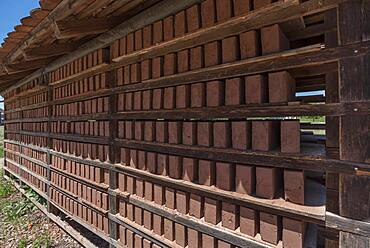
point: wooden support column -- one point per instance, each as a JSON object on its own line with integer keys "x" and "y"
{"x": 113, "y": 156}
{"x": 354, "y": 196}
{"x": 50, "y": 98}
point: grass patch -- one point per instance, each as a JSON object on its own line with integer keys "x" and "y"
{"x": 6, "y": 188}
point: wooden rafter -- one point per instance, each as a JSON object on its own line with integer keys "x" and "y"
{"x": 50, "y": 50}
{"x": 75, "y": 28}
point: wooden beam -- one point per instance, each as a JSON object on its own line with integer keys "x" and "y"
{"x": 50, "y": 50}
{"x": 65, "y": 29}
{"x": 28, "y": 65}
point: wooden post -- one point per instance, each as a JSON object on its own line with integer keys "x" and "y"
{"x": 354, "y": 197}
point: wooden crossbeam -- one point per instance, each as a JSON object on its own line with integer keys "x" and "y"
{"x": 50, "y": 50}
{"x": 75, "y": 28}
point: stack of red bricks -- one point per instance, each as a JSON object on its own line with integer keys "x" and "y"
{"x": 82, "y": 64}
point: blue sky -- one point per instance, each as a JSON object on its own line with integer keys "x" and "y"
{"x": 11, "y": 11}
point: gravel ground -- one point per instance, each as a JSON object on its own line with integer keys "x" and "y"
{"x": 30, "y": 227}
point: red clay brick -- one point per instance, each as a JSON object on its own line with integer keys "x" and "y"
{"x": 293, "y": 233}
{"x": 159, "y": 194}
{"x": 273, "y": 40}
{"x": 221, "y": 134}
{"x": 206, "y": 172}
{"x": 182, "y": 202}
{"x": 230, "y": 49}
{"x": 157, "y": 99}
{"x": 146, "y": 70}
{"x": 138, "y": 130}
{"x": 256, "y": 89}
{"x": 158, "y": 224}
{"x": 180, "y": 235}
{"x": 147, "y": 99}
{"x": 157, "y": 67}
{"x": 225, "y": 176}
{"x": 198, "y": 98}
{"x": 174, "y": 167}
{"x": 183, "y": 61}
{"x": 294, "y": 186}
{"x": 162, "y": 164}
{"x": 195, "y": 206}
{"x": 158, "y": 32}
{"x": 193, "y": 18}
{"x": 196, "y": 58}
{"x": 161, "y": 131}
{"x": 208, "y": 13}
{"x": 169, "y": 98}
{"x": 148, "y": 191}
{"x": 281, "y": 87}
{"x": 211, "y": 211}
{"x": 204, "y": 130}
{"x": 270, "y": 228}
{"x": 241, "y": 135}
{"x": 249, "y": 221}
{"x": 170, "y": 198}
{"x": 245, "y": 177}
{"x": 138, "y": 100}
{"x": 182, "y": 96}
{"x": 174, "y": 132}
{"x": 139, "y": 187}
{"x": 268, "y": 182}
{"x": 169, "y": 229}
{"x": 129, "y": 101}
{"x": 190, "y": 169}
{"x": 151, "y": 162}
{"x": 242, "y": 7}
{"x": 249, "y": 44}
{"x": 215, "y": 93}
{"x": 194, "y": 238}
{"x": 209, "y": 241}
{"x": 148, "y": 220}
{"x": 234, "y": 91}
{"x": 229, "y": 216}
{"x": 138, "y": 39}
{"x": 138, "y": 215}
{"x": 129, "y": 130}
{"x": 130, "y": 43}
{"x": 180, "y": 24}
{"x": 127, "y": 74}
{"x": 224, "y": 9}
{"x": 149, "y": 129}
{"x": 168, "y": 28}
{"x": 290, "y": 136}
{"x": 212, "y": 53}
{"x": 265, "y": 135}
{"x": 189, "y": 130}
{"x": 147, "y": 36}
{"x": 169, "y": 64}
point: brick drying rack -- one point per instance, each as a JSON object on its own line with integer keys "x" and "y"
{"x": 179, "y": 126}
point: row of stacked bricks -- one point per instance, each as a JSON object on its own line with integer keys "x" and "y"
{"x": 38, "y": 155}
{"x": 83, "y": 86}
{"x": 240, "y": 219}
{"x": 13, "y": 126}
{"x": 92, "y": 128}
{"x": 29, "y": 139}
{"x": 86, "y": 183}
{"x": 276, "y": 87}
{"x": 204, "y": 15}
{"x": 84, "y": 63}
{"x": 34, "y": 113}
{"x": 36, "y": 182}
{"x": 128, "y": 238}
{"x": 13, "y": 115}
{"x": 92, "y": 106}
{"x": 35, "y": 127}
{"x": 257, "y": 135}
{"x": 79, "y": 210}
{"x": 84, "y": 150}
{"x": 34, "y": 99}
